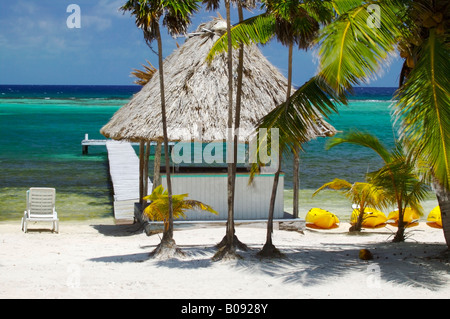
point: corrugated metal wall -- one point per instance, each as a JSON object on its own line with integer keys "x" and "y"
{"x": 251, "y": 202}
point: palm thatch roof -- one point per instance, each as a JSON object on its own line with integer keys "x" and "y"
{"x": 197, "y": 95}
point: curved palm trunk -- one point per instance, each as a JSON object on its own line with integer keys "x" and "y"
{"x": 269, "y": 250}
{"x": 443, "y": 197}
{"x": 167, "y": 247}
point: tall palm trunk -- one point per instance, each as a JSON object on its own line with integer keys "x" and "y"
{"x": 443, "y": 197}
{"x": 167, "y": 245}
{"x": 227, "y": 247}
{"x": 269, "y": 250}
{"x": 237, "y": 123}
{"x": 230, "y": 222}
{"x": 296, "y": 182}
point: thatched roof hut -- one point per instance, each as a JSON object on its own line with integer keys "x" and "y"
{"x": 197, "y": 95}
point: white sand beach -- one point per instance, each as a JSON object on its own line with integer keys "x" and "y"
{"x": 97, "y": 259}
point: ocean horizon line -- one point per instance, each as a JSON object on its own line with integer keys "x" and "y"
{"x": 69, "y": 85}
{"x": 113, "y": 91}
{"x": 136, "y": 85}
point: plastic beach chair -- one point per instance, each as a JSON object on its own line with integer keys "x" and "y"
{"x": 40, "y": 208}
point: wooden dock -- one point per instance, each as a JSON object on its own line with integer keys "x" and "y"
{"x": 87, "y": 142}
{"x": 124, "y": 171}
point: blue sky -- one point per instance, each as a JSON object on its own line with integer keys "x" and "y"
{"x": 37, "y": 47}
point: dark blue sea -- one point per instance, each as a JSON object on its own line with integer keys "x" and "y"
{"x": 42, "y": 127}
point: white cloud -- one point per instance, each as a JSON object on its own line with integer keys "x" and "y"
{"x": 97, "y": 22}
{"x": 110, "y": 8}
{"x": 24, "y": 7}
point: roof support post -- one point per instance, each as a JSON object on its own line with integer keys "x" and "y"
{"x": 145, "y": 175}
{"x": 141, "y": 172}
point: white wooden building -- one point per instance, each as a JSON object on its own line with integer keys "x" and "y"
{"x": 251, "y": 201}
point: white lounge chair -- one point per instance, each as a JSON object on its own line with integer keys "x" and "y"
{"x": 40, "y": 208}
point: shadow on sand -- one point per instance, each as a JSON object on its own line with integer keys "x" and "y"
{"x": 122, "y": 230}
{"x": 409, "y": 263}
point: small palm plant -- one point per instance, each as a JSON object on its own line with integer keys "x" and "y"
{"x": 362, "y": 194}
{"x": 403, "y": 187}
{"x": 159, "y": 208}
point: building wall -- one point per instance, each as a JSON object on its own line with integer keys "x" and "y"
{"x": 251, "y": 201}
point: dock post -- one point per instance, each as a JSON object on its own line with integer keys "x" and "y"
{"x": 85, "y": 148}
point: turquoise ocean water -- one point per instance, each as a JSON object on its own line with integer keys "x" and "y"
{"x": 42, "y": 127}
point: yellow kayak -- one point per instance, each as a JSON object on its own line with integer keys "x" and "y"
{"x": 321, "y": 219}
{"x": 372, "y": 218}
{"x": 410, "y": 217}
{"x": 435, "y": 218}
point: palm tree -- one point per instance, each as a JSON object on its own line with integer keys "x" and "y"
{"x": 227, "y": 247}
{"x": 351, "y": 52}
{"x": 175, "y": 16}
{"x": 291, "y": 22}
{"x": 351, "y": 49}
{"x": 363, "y": 195}
{"x": 294, "y": 120}
{"x": 159, "y": 207}
{"x": 295, "y": 23}
{"x": 397, "y": 178}
{"x": 403, "y": 186}
{"x": 424, "y": 97}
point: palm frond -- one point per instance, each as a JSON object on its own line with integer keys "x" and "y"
{"x": 399, "y": 180}
{"x": 159, "y": 206}
{"x": 364, "y": 194}
{"x": 143, "y": 76}
{"x": 287, "y": 21}
{"x": 320, "y": 10}
{"x": 362, "y": 139}
{"x": 351, "y": 49}
{"x": 213, "y": 5}
{"x": 298, "y": 121}
{"x": 297, "y": 118}
{"x": 257, "y": 29}
{"x": 147, "y": 13}
{"x": 368, "y": 194}
{"x": 197, "y": 205}
{"x": 157, "y": 193}
{"x": 423, "y": 108}
{"x": 336, "y": 184}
